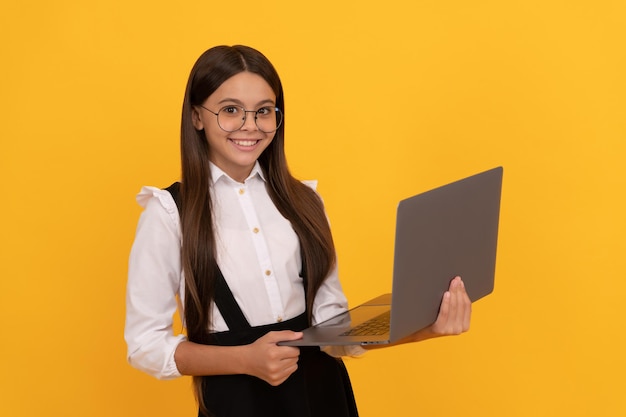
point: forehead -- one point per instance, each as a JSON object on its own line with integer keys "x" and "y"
{"x": 244, "y": 87}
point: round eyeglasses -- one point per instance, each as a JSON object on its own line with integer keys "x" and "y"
{"x": 232, "y": 118}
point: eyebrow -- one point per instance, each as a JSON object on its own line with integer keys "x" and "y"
{"x": 234, "y": 100}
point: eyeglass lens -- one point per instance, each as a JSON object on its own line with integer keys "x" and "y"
{"x": 232, "y": 118}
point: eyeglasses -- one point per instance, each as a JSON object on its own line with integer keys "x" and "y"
{"x": 232, "y": 118}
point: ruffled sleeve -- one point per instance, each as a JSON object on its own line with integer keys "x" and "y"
{"x": 154, "y": 283}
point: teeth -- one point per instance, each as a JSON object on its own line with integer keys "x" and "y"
{"x": 244, "y": 142}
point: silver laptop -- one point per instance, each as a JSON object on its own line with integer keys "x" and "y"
{"x": 449, "y": 231}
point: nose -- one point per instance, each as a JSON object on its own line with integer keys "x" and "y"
{"x": 249, "y": 122}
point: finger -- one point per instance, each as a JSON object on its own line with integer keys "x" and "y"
{"x": 456, "y": 313}
{"x": 278, "y": 377}
{"x": 269, "y": 341}
{"x": 277, "y": 369}
{"x": 287, "y": 366}
{"x": 273, "y": 338}
{"x": 467, "y": 312}
{"x": 290, "y": 352}
{"x": 283, "y": 335}
{"x": 444, "y": 313}
{"x": 281, "y": 377}
{"x": 464, "y": 307}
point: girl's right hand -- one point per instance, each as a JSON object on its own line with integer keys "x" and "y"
{"x": 273, "y": 364}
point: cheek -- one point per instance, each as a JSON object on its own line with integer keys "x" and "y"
{"x": 214, "y": 135}
{"x": 267, "y": 143}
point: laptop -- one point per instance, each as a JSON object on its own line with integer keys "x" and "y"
{"x": 448, "y": 231}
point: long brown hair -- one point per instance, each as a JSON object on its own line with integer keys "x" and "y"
{"x": 296, "y": 202}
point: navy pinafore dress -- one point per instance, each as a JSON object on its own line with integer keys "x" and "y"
{"x": 320, "y": 387}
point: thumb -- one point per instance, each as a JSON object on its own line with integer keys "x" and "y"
{"x": 285, "y": 335}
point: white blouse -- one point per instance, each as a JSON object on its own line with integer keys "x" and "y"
{"x": 258, "y": 253}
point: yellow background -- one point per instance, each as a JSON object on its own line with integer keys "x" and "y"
{"x": 384, "y": 99}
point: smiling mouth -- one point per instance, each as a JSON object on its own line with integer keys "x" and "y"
{"x": 245, "y": 143}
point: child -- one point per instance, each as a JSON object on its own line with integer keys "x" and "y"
{"x": 247, "y": 251}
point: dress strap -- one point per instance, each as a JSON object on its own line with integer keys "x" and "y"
{"x": 174, "y": 190}
{"x": 226, "y": 303}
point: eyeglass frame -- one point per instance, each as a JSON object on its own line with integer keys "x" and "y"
{"x": 245, "y": 117}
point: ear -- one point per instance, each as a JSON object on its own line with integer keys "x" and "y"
{"x": 196, "y": 120}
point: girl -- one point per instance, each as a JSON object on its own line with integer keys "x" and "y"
{"x": 245, "y": 251}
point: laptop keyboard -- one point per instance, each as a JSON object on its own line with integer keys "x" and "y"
{"x": 373, "y": 327}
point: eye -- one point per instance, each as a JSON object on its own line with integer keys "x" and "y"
{"x": 230, "y": 110}
{"x": 265, "y": 111}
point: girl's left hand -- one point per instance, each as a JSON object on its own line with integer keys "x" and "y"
{"x": 455, "y": 311}
{"x": 454, "y": 316}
